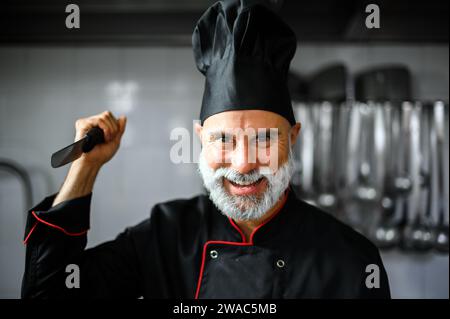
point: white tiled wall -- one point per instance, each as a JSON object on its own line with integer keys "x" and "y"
{"x": 43, "y": 90}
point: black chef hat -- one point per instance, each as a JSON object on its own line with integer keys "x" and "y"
{"x": 244, "y": 50}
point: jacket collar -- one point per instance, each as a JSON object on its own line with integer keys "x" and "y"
{"x": 273, "y": 229}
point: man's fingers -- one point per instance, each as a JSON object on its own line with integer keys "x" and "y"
{"x": 110, "y": 126}
{"x": 114, "y": 125}
{"x": 112, "y": 120}
{"x": 104, "y": 124}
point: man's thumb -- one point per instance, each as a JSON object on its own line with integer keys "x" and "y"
{"x": 122, "y": 124}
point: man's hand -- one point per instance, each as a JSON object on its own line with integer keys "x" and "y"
{"x": 82, "y": 173}
{"x": 112, "y": 129}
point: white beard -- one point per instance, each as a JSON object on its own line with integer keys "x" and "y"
{"x": 245, "y": 207}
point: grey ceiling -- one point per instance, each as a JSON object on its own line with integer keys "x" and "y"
{"x": 170, "y": 22}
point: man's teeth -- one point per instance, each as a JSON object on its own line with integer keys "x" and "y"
{"x": 241, "y": 183}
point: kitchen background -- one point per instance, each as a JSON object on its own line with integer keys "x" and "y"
{"x": 134, "y": 58}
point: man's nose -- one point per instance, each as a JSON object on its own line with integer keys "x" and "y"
{"x": 243, "y": 160}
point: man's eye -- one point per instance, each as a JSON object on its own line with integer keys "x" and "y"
{"x": 263, "y": 137}
{"x": 224, "y": 138}
{"x": 264, "y": 140}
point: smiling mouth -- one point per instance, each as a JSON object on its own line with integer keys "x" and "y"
{"x": 240, "y": 188}
{"x": 246, "y": 184}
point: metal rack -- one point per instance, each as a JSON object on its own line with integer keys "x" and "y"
{"x": 379, "y": 167}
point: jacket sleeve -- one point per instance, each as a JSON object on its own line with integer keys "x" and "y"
{"x": 57, "y": 264}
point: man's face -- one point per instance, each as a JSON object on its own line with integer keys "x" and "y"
{"x": 245, "y": 160}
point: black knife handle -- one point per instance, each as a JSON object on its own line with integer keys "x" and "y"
{"x": 93, "y": 137}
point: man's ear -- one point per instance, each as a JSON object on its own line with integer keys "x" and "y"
{"x": 198, "y": 130}
{"x": 295, "y": 130}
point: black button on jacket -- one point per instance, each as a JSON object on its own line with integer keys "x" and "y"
{"x": 188, "y": 249}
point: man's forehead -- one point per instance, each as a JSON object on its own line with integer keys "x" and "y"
{"x": 243, "y": 119}
{"x": 273, "y": 131}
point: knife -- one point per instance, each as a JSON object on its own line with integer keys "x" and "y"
{"x": 70, "y": 153}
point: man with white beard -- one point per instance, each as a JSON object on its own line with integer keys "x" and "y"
{"x": 250, "y": 236}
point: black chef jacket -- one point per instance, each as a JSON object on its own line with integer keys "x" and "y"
{"x": 188, "y": 249}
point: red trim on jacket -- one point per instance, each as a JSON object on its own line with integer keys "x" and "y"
{"x": 237, "y": 228}
{"x": 199, "y": 282}
{"x": 29, "y": 234}
{"x": 53, "y": 226}
{"x": 243, "y": 243}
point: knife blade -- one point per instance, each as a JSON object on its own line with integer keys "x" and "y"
{"x": 72, "y": 152}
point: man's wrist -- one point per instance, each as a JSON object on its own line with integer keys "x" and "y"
{"x": 79, "y": 181}
{"x": 85, "y": 169}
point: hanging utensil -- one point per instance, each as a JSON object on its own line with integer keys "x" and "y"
{"x": 328, "y": 91}
{"x": 442, "y": 230}
{"x": 418, "y": 233}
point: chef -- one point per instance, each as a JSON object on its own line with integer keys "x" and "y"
{"x": 249, "y": 236}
